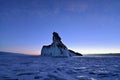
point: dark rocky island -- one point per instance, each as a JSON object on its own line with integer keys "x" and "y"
{"x": 57, "y": 48}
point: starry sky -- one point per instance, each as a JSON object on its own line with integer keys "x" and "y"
{"x": 86, "y": 26}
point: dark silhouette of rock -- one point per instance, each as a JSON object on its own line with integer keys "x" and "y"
{"x": 57, "y": 48}
{"x": 56, "y": 37}
{"x": 74, "y": 53}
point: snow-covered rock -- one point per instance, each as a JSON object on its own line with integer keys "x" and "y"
{"x": 57, "y": 48}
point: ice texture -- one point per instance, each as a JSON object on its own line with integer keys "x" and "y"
{"x": 49, "y": 68}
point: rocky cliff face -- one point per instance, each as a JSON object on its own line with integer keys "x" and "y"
{"x": 57, "y": 48}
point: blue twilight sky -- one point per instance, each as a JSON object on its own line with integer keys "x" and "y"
{"x": 86, "y": 26}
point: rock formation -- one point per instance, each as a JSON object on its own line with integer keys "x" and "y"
{"x": 57, "y": 48}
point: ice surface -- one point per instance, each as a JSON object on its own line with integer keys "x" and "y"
{"x": 48, "y": 68}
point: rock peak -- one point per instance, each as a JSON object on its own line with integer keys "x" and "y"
{"x": 57, "y": 41}
{"x": 57, "y": 48}
{"x": 56, "y": 37}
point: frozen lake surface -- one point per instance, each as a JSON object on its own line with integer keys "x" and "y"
{"x": 47, "y": 68}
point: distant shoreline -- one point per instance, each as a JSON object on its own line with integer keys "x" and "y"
{"x": 3, "y": 53}
{"x": 93, "y": 54}
{"x": 105, "y": 54}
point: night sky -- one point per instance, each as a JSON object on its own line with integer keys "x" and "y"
{"x": 86, "y": 26}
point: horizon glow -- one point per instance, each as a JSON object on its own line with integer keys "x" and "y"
{"x": 85, "y": 26}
